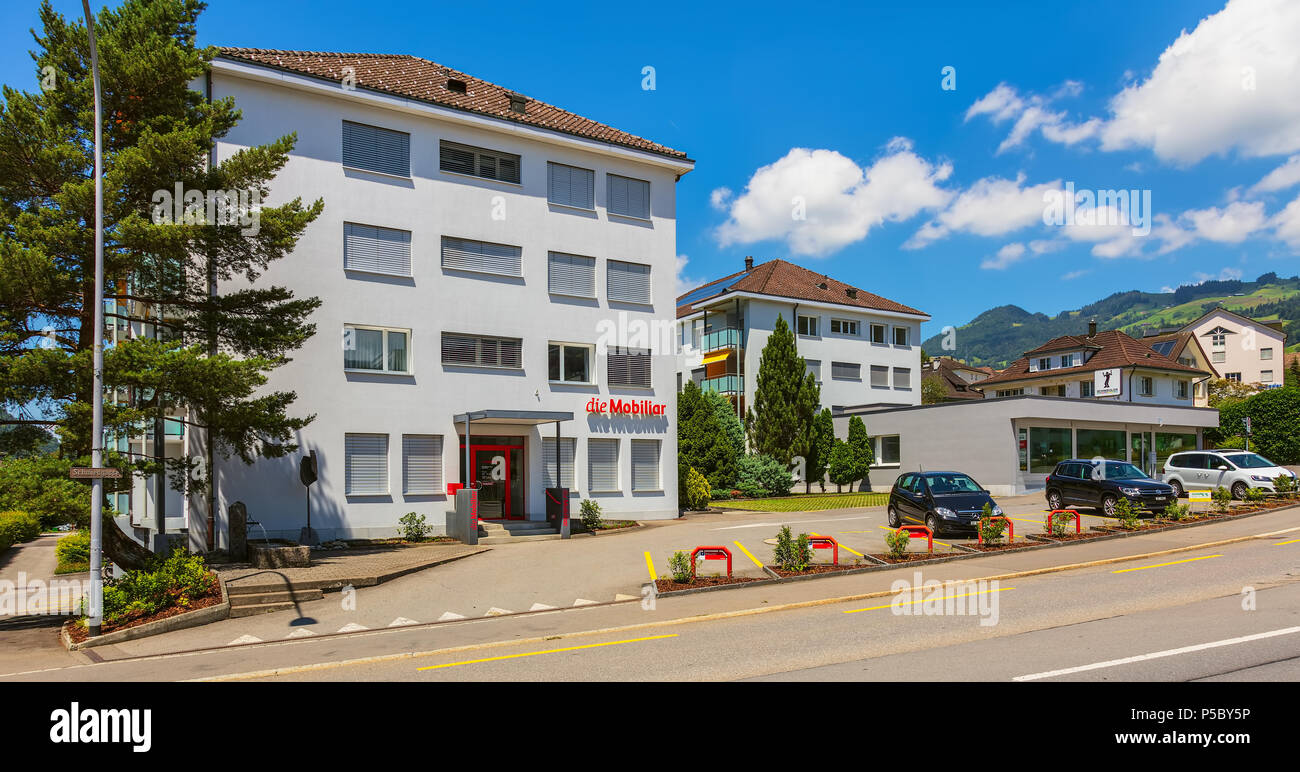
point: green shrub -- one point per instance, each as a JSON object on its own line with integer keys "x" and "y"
{"x": 897, "y": 543}
{"x": 1178, "y": 511}
{"x": 765, "y": 472}
{"x": 1057, "y": 523}
{"x": 697, "y": 490}
{"x": 40, "y": 485}
{"x": 991, "y": 531}
{"x": 1221, "y": 497}
{"x": 719, "y": 494}
{"x": 1126, "y": 513}
{"x": 1284, "y": 484}
{"x": 749, "y": 491}
{"x": 679, "y": 565}
{"x": 589, "y": 511}
{"x": 17, "y": 526}
{"x": 1255, "y": 494}
{"x": 73, "y": 552}
{"x": 176, "y": 580}
{"x": 792, "y": 554}
{"x": 413, "y": 527}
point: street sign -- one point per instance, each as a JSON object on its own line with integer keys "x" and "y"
{"x": 1199, "y": 495}
{"x": 90, "y": 473}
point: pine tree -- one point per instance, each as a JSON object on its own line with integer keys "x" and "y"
{"x": 786, "y": 396}
{"x": 860, "y": 444}
{"x": 210, "y": 332}
{"x": 823, "y": 443}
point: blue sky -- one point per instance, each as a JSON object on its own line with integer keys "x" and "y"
{"x": 892, "y": 163}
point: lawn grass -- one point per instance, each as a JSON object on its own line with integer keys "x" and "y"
{"x": 807, "y": 503}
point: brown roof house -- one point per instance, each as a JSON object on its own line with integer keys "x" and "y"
{"x": 957, "y": 377}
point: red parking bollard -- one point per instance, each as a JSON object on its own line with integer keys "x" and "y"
{"x": 1011, "y": 529}
{"x": 711, "y": 553}
{"x": 920, "y": 532}
{"x": 824, "y": 542}
{"x": 1078, "y": 522}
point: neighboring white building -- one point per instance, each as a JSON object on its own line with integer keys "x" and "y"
{"x": 475, "y": 248}
{"x": 862, "y": 348}
{"x": 1240, "y": 348}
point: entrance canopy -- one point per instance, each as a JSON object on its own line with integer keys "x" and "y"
{"x": 532, "y": 417}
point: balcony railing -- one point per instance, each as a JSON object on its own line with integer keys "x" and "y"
{"x": 726, "y": 384}
{"x": 724, "y": 338}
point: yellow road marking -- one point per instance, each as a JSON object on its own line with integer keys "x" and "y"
{"x": 650, "y": 564}
{"x": 548, "y": 651}
{"x": 936, "y": 541}
{"x": 1160, "y": 565}
{"x": 845, "y": 547}
{"x": 1293, "y": 541}
{"x": 748, "y": 554}
{"x": 913, "y": 602}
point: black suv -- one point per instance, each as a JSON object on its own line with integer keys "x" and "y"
{"x": 944, "y": 501}
{"x": 1101, "y": 484}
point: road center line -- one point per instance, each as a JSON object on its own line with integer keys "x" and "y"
{"x": 1161, "y": 565}
{"x": 548, "y": 651}
{"x": 1159, "y": 654}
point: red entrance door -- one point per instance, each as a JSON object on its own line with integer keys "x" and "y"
{"x": 490, "y": 470}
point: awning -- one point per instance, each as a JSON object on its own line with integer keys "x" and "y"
{"x": 515, "y": 416}
{"x": 711, "y": 358}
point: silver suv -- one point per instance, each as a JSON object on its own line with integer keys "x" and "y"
{"x": 1236, "y": 470}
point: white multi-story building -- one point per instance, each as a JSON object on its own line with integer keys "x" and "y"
{"x": 1242, "y": 349}
{"x": 476, "y": 251}
{"x": 863, "y": 349}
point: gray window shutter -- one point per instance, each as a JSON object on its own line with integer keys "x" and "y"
{"x": 365, "y": 464}
{"x": 571, "y": 186}
{"x": 628, "y": 367}
{"x": 645, "y": 465}
{"x": 479, "y": 351}
{"x": 376, "y": 149}
{"x": 422, "y": 463}
{"x": 482, "y": 257}
{"x": 627, "y": 196}
{"x": 846, "y": 371}
{"x": 627, "y": 282}
{"x": 602, "y": 465}
{"x": 566, "y": 462}
{"x": 476, "y": 161}
{"x": 377, "y": 250}
{"x": 455, "y": 158}
{"x": 572, "y": 275}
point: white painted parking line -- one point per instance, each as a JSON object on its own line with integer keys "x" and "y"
{"x": 1159, "y": 654}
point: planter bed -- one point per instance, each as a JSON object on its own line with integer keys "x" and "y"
{"x": 1002, "y": 547}
{"x": 663, "y": 586}
{"x": 913, "y": 557}
{"x": 816, "y": 568}
{"x": 209, "y": 608}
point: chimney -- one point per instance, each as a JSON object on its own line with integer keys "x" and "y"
{"x": 1092, "y": 328}
{"x": 749, "y": 263}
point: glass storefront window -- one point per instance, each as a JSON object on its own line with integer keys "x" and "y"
{"x": 1047, "y": 448}
{"x": 1105, "y": 443}
{"x": 1168, "y": 444}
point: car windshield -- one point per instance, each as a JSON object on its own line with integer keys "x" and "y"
{"x": 953, "y": 483}
{"x": 1249, "y": 460}
{"x": 1119, "y": 470}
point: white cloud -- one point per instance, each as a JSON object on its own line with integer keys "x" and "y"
{"x": 1072, "y": 275}
{"x": 993, "y": 206}
{"x": 1199, "y": 100}
{"x": 1033, "y": 113}
{"x": 818, "y": 201}
{"x": 1286, "y": 224}
{"x": 1224, "y": 275}
{"x": 1107, "y": 228}
{"x": 1011, "y": 253}
{"x": 1002, "y": 103}
{"x": 1229, "y": 225}
{"x": 684, "y": 282}
{"x": 720, "y": 198}
{"x": 1281, "y": 178}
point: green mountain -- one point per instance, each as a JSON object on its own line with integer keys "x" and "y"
{"x": 1001, "y": 335}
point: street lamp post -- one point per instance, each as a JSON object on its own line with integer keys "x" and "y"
{"x": 95, "y": 611}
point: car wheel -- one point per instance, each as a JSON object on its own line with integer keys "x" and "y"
{"x": 1108, "y": 503}
{"x": 1054, "y": 500}
{"x": 894, "y": 520}
{"x": 932, "y": 522}
{"x": 1239, "y": 490}
{"x": 1178, "y": 489}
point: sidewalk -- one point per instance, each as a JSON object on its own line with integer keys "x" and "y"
{"x": 356, "y": 567}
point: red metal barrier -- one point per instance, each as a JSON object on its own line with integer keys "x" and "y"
{"x": 920, "y": 532}
{"x": 824, "y": 542}
{"x": 1011, "y": 529}
{"x": 1078, "y": 522}
{"x": 711, "y": 553}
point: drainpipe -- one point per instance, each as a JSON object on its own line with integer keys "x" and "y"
{"x": 467, "y": 480}
{"x": 740, "y": 365}
{"x": 558, "y": 482}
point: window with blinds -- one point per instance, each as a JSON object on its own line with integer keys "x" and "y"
{"x": 627, "y": 366}
{"x": 571, "y": 186}
{"x": 627, "y": 282}
{"x": 903, "y": 378}
{"x": 846, "y": 371}
{"x": 602, "y": 465}
{"x": 478, "y": 162}
{"x": 571, "y": 275}
{"x": 814, "y": 368}
{"x": 365, "y": 464}
{"x": 566, "y": 463}
{"x": 645, "y": 465}
{"x": 879, "y": 377}
{"x": 482, "y": 351}
{"x": 376, "y": 149}
{"x": 421, "y": 463}
{"x": 374, "y": 249}
{"x": 627, "y": 196}
{"x": 482, "y": 257}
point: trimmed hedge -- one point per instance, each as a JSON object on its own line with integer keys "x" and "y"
{"x": 16, "y": 526}
{"x": 73, "y": 553}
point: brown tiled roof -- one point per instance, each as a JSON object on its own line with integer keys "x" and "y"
{"x": 415, "y": 78}
{"x": 1116, "y": 349}
{"x": 787, "y": 280}
{"x": 1062, "y": 343}
{"x": 955, "y": 386}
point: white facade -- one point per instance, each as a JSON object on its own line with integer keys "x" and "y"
{"x": 420, "y": 401}
{"x": 1241, "y": 349}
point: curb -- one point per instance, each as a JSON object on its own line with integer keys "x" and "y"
{"x": 183, "y": 621}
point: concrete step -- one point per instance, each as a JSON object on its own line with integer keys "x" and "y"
{"x": 255, "y": 598}
{"x": 515, "y": 526}
{"x": 258, "y": 608}
{"x": 543, "y": 536}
